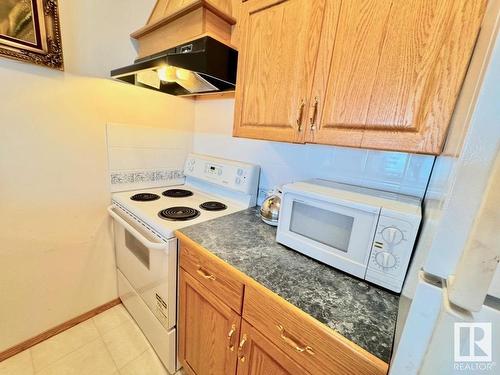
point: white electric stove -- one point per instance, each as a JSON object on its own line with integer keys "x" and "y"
{"x": 145, "y": 222}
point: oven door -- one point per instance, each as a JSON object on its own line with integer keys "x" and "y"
{"x": 148, "y": 263}
{"x": 334, "y": 232}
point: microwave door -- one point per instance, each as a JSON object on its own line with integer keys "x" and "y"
{"x": 333, "y": 233}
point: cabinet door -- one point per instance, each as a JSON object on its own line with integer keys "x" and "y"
{"x": 277, "y": 53}
{"x": 389, "y": 72}
{"x": 208, "y": 330}
{"x": 258, "y": 356}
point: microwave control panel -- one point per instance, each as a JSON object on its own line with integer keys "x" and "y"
{"x": 391, "y": 250}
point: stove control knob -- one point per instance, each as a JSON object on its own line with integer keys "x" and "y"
{"x": 386, "y": 260}
{"x": 392, "y": 235}
{"x": 239, "y": 172}
{"x": 238, "y": 181}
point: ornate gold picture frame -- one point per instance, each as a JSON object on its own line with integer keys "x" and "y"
{"x": 30, "y": 31}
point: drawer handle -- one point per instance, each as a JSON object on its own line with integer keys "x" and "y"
{"x": 230, "y": 336}
{"x": 289, "y": 341}
{"x": 205, "y": 274}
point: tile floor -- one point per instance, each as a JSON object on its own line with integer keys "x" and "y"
{"x": 110, "y": 343}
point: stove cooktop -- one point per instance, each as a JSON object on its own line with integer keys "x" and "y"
{"x": 172, "y": 208}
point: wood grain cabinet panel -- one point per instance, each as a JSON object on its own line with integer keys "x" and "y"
{"x": 258, "y": 356}
{"x": 208, "y": 330}
{"x": 386, "y": 74}
{"x": 389, "y": 72}
{"x": 277, "y": 52}
{"x": 306, "y": 341}
{"x": 174, "y": 22}
{"x": 166, "y": 8}
{"x": 214, "y": 275}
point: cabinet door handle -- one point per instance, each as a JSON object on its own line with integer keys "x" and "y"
{"x": 312, "y": 120}
{"x": 230, "y": 336}
{"x": 241, "y": 348}
{"x": 291, "y": 342}
{"x": 300, "y": 114}
{"x": 204, "y": 273}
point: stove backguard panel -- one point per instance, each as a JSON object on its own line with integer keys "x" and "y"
{"x": 142, "y": 157}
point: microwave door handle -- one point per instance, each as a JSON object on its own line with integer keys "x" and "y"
{"x": 135, "y": 232}
{"x": 470, "y": 283}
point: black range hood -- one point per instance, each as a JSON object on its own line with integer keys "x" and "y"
{"x": 201, "y": 66}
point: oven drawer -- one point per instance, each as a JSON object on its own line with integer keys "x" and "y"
{"x": 318, "y": 349}
{"x": 163, "y": 341}
{"x": 214, "y": 274}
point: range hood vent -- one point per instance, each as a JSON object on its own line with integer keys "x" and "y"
{"x": 201, "y": 66}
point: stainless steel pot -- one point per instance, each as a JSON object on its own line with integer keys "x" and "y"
{"x": 270, "y": 209}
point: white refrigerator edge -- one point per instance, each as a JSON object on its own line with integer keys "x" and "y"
{"x": 454, "y": 280}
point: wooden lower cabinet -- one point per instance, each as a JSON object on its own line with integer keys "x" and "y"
{"x": 213, "y": 276}
{"x": 208, "y": 330}
{"x": 258, "y": 356}
{"x": 214, "y": 340}
{"x": 268, "y": 336}
{"x": 303, "y": 339}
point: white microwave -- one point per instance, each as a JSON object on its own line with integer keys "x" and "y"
{"x": 365, "y": 232}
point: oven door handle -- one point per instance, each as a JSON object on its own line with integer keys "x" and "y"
{"x": 150, "y": 245}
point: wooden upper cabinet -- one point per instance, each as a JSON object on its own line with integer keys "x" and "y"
{"x": 278, "y": 47}
{"x": 386, "y": 74}
{"x": 389, "y": 72}
{"x": 258, "y": 356}
{"x": 208, "y": 330}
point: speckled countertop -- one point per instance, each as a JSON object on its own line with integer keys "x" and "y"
{"x": 361, "y": 312}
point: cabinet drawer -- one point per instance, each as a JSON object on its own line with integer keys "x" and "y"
{"x": 218, "y": 277}
{"x": 317, "y": 348}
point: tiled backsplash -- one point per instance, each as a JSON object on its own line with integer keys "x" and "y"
{"x": 142, "y": 157}
{"x": 282, "y": 162}
{"x": 145, "y": 178}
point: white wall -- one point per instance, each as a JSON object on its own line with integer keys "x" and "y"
{"x": 56, "y": 254}
{"x": 283, "y": 162}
